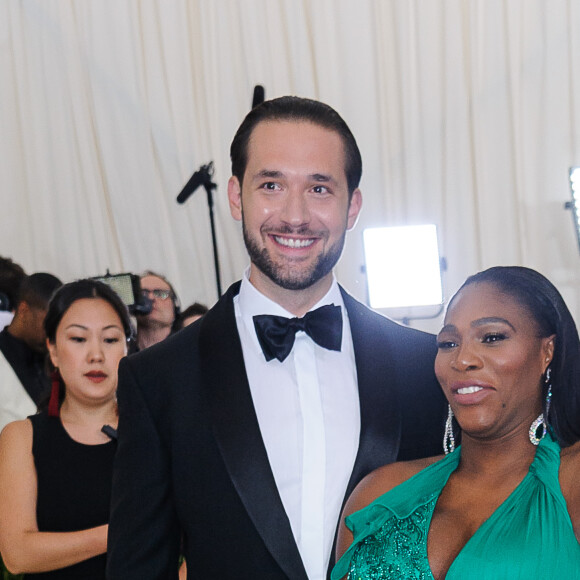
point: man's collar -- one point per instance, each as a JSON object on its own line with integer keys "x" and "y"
{"x": 251, "y": 301}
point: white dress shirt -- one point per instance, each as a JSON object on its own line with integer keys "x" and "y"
{"x": 309, "y": 417}
{"x": 15, "y": 402}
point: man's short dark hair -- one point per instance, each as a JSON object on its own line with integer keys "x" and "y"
{"x": 11, "y": 277}
{"x": 195, "y": 309}
{"x": 296, "y": 109}
{"x": 37, "y": 289}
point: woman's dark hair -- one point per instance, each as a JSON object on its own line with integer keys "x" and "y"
{"x": 297, "y": 109}
{"x": 66, "y": 295}
{"x": 540, "y": 297}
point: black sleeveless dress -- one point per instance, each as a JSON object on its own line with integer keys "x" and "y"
{"x": 74, "y": 489}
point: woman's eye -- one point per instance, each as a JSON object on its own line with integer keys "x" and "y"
{"x": 77, "y": 338}
{"x": 445, "y": 344}
{"x": 111, "y": 340}
{"x": 493, "y": 337}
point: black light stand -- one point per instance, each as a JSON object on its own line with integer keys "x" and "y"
{"x": 203, "y": 176}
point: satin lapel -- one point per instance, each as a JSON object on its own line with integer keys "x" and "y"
{"x": 238, "y": 434}
{"x": 379, "y": 405}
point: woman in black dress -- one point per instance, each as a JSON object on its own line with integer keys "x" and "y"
{"x": 56, "y": 467}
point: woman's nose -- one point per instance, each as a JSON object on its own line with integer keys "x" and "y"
{"x": 95, "y": 351}
{"x": 466, "y": 358}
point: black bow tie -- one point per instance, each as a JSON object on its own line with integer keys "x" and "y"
{"x": 276, "y": 333}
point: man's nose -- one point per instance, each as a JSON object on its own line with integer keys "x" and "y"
{"x": 295, "y": 211}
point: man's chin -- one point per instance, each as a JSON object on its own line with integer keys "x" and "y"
{"x": 289, "y": 279}
{"x": 295, "y": 283}
{"x": 152, "y": 323}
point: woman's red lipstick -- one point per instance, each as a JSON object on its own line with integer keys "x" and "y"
{"x": 96, "y": 376}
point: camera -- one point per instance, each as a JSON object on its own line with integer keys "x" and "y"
{"x": 128, "y": 287}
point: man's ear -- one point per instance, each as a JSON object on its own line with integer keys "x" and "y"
{"x": 354, "y": 208}
{"x": 235, "y": 198}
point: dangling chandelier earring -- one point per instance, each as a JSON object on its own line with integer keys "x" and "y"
{"x": 549, "y": 394}
{"x": 541, "y": 421}
{"x": 448, "y": 438}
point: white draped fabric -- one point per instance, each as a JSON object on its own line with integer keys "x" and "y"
{"x": 467, "y": 113}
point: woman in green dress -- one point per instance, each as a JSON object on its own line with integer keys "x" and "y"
{"x": 505, "y": 504}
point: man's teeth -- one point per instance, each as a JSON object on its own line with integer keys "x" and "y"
{"x": 469, "y": 390}
{"x": 292, "y": 243}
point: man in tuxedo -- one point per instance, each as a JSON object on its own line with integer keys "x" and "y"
{"x": 241, "y": 436}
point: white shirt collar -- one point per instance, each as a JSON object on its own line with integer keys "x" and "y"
{"x": 252, "y": 302}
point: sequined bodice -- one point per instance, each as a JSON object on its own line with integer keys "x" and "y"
{"x": 397, "y": 550}
{"x": 529, "y": 536}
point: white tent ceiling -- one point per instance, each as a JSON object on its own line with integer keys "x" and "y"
{"x": 467, "y": 113}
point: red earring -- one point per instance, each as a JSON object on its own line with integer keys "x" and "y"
{"x": 53, "y": 403}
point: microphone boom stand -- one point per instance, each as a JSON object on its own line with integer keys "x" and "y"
{"x": 203, "y": 177}
{"x": 209, "y": 186}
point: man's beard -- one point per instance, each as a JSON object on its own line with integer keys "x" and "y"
{"x": 294, "y": 276}
{"x": 144, "y": 321}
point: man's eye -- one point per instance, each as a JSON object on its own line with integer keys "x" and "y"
{"x": 270, "y": 186}
{"x": 320, "y": 189}
{"x": 445, "y": 344}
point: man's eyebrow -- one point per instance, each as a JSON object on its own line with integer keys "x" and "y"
{"x": 268, "y": 173}
{"x": 276, "y": 174}
{"x": 322, "y": 177}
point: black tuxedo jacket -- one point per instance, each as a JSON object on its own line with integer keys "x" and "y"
{"x": 191, "y": 471}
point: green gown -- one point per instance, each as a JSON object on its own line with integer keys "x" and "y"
{"x": 529, "y": 536}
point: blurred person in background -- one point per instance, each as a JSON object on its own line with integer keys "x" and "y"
{"x": 190, "y": 315}
{"x": 159, "y": 323}
{"x": 24, "y": 383}
{"x": 11, "y": 276}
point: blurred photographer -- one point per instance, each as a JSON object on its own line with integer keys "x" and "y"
{"x": 159, "y": 323}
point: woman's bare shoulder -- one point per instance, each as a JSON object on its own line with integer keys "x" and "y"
{"x": 570, "y": 469}
{"x": 17, "y": 429}
{"x": 383, "y": 479}
{"x": 16, "y": 446}
{"x": 569, "y": 477}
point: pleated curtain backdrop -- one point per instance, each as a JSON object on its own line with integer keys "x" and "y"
{"x": 467, "y": 113}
